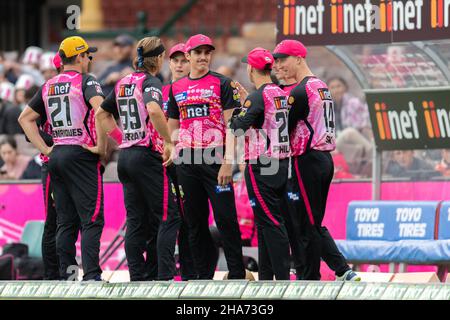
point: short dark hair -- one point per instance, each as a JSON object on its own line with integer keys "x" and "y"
{"x": 67, "y": 60}
{"x": 265, "y": 72}
{"x": 9, "y": 140}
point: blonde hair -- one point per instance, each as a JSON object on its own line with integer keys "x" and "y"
{"x": 148, "y": 44}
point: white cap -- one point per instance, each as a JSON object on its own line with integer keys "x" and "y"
{"x": 47, "y": 61}
{"x": 32, "y": 55}
{"x": 25, "y": 82}
{"x": 7, "y": 91}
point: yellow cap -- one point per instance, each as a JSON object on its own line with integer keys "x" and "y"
{"x": 72, "y": 46}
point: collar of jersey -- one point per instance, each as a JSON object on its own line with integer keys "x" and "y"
{"x": 189, "y": 76}
{"x": 71, "y": 71}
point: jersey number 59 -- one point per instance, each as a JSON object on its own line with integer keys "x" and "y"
{"x": 129, "y": 114}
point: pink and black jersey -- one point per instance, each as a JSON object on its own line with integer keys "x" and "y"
{"x": 199, "y": 105}
{"x": 165, "y": 94}
{"x": 129, "y": 103}
{"x": 288, "y": 88}
{"x": 266, "y": 111}
{"x": 64, "y": 101}
{"x": 311, "y": 117}
{"x": 45, "y": 129}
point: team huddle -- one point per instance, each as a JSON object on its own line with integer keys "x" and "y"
{"x": 178, "y": 144}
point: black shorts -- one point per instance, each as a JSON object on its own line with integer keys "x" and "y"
{"x": 77, "y": 180}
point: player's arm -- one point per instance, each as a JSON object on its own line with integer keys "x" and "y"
{"x": 27, "y": 121}
{"x": 174, "y": 116}
{"x": 105, "y": 115}
{"x": 153, "y": 100}
{"x": 159, "y": 121}
{"x": 229, "y": 96}
{"x": 93, "y": 94}
{"x": 230, "y": 141}
{"x": 249, "y": 115}
{"x": 298, "y": 106}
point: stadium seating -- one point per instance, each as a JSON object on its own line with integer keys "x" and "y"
{"x": 398, "y": 232}
{"x": 32, "y": 237}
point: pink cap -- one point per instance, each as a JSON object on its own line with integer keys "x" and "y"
{"x": 197, "y": 41}
{"x": 288, "y": 48}
{"x": 180, "y": 47}
{"x": 57, "y": 61}
{"x": 259, "y": 58}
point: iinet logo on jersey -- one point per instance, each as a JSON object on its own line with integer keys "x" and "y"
{"x": 57, "y": 89}
{"x": 403, "y": 125}
{"x": 126, "y": 90}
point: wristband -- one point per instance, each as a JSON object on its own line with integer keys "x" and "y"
{"x": 116, "y": 134}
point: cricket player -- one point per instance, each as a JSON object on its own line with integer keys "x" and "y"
{"x": 312, "y": 138}
{"x": 199, "y": 107}
{"x": 146, "y": 150}
{"x": 265, "y": 112}
{"x": 179, "y": 68}
{"x": 69, "y": 101}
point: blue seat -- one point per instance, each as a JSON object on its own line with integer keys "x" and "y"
{"x": 403, "y": 251}
{"x": 32, "y": 237}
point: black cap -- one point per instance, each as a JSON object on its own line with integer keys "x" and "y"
{"x": 279, "y": 55}
{"x": 124, "y": 40}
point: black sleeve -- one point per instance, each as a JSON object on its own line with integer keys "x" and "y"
{"x": 299, "y": 106}
{"x": 37, "y": 103}
{"x": 172, "y": 106}
{"x": 91, "y": 88}
{"x": 229, "y": 95}
{"x": 110, "y": 105}
{"x": 152, "y": 91}
{"x": 251, "y": 114}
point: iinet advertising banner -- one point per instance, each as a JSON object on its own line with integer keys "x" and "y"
{"x": 336, "y": 22}
{"x": 410, "y": 119}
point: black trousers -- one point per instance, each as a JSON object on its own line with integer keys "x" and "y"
{"x": 150, "y": 203}
{"x": 267, "y": 195}
{"x": 198, "y": 185}
{"x": 49, "y": 254}
{"x": 312, "y": 175}
{"x": 78, "y": 189}
{"x": 293, "y": 229}
{"x": 170, "y": 229}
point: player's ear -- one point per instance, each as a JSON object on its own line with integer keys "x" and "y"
{"x": 188, "y": 56}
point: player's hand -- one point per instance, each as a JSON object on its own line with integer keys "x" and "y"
{"x": 243, "y": 93}
{"x": 168, "y": 154}
{"x": 48, "y": 151}
{"x": 225, "y": 174}
{"x": 94, "y": 150}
